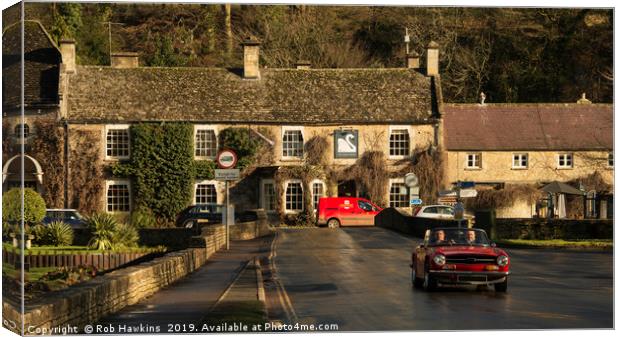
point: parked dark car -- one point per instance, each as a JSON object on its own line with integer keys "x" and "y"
{"x": 193, "y": 215}
{"x": 69, "y": 216}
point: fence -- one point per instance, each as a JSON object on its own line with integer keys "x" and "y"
{"x": 101, "y": 261}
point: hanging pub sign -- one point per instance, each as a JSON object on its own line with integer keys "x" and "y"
{"x": 346, "y": 143}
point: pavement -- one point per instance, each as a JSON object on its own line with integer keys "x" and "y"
{"x": 190, "y": 299}
{"x": 359, "y": 279}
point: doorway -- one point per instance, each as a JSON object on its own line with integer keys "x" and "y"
{"x": 347, "y": 188}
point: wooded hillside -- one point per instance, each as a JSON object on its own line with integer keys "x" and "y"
{"x": 513, "y": 55}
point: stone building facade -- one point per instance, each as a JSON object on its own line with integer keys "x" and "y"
{"x": 502, "y": 145}
{"x": 357, "y": 111}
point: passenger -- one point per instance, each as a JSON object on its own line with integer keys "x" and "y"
{"x": 471, "y": 237}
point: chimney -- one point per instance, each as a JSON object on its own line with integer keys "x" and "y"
{"x": 251, "y": 48}
{"x": 124, "y": 60}
{"x": 432, "y": 59}
{"x": 413, "y": 60}
{"x": 583, "y": 99}
{"x": 67, "y": 51}
{"x": 303, "y": 64}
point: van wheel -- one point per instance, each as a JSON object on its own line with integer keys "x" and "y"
{"x": 333, "y": 223}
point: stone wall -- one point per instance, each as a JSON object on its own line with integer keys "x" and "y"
{"x": 396, "y": 220}
{"x": 88, "y": 302}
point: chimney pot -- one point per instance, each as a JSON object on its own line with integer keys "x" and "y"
{"x": 303, "y": 64}
{"x": 251, "y": 51}
{"x": 67, "y": 51}
{"x": 432, "y": 59}
{"x": 124, "y": 60}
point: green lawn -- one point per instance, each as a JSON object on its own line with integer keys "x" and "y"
{"x": 33, "y": 275}
{"x": 600, "y": 244}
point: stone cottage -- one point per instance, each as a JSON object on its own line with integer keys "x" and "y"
{"x": 512, "y": 146}
{"x": 394, "y": 112}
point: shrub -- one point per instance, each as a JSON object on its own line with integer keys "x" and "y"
{"x": 143, "y": 218}
{"x": 34, "y": 206}
{"x": 56, "y": 234}
{"x": 125, "y": 236}
{"x": 103, "y": 226}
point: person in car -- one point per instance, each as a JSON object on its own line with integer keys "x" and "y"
{"x": 440, "y": 237}
{"x": 471, "y": 237}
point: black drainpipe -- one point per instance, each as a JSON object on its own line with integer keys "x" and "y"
{"x": 66, "y": 203}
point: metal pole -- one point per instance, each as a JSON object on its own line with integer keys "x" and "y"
{"x": 227, "y": 218}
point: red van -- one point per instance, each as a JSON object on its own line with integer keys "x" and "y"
{"x": 346, "y": 211}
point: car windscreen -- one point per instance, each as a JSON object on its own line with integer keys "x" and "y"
{"x": 458, "y": 236}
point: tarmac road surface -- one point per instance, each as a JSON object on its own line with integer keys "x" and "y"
{"x": 359, "y": 278}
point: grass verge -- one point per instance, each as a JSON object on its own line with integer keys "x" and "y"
{"x": 240, "y": 312}
{"x": 584, "y": 244}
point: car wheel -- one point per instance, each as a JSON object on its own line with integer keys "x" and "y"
{"x": 333, "y": 223}
{"x": 417, "y": 282}
{"x": 189, "y": 224}
{"x": 502, "y": 287}
{"x": 430, "y": 283}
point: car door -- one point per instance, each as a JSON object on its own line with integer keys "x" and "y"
{"x": 364, "y": 214}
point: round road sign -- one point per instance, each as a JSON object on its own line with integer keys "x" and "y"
{"x": 411, "y": 180}
{"x": 226, "y": 159}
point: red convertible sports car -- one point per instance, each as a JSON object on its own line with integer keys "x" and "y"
{"x": 459, "y": 256}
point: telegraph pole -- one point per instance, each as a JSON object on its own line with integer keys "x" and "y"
{"x": 109, "y": 23}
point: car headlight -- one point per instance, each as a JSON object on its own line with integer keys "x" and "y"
{"x": 439, "y": 260}
{"x": 502, "y": 260}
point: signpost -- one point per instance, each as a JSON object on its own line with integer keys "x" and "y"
{"x": 226, "y": 160}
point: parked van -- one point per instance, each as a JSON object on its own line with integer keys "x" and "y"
{"x": 346, "y": 211}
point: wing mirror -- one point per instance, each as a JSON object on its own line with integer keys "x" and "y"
{"x": 493, "y": 244}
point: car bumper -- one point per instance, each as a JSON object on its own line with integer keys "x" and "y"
{"x": 469, "y": 277}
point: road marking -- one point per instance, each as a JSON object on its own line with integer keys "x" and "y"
{"x": 219, "y": 299}
{"x": 283, "y": 297}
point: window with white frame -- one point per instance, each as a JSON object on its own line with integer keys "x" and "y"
{"x": 318, "y": 191}
{"x": 565, "y": 160}
{"x": 117, "y": 142}
{"x": 610, "y": 159}
{"x": 205, "y": 142}
{"x": 268, "y": 191}
{"x": 205, "y": 193}
{"x": 519, "y": 160}
{"x": 292, "y": 143}
{"x": 118, "y": 197}
{"x": 399, "y": 142}
{"x": 399, "y": 193}
{"x": 294, "y": 197}
{"x": 473, "y": 161}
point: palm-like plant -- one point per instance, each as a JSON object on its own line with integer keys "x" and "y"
{"x": 103, "y": 227}
{"x": 125, "y": 236}
{"x": 59, "y": 234}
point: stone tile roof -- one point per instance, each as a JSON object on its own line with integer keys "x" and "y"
{"x": 506, "y": 127}
{"x": 316, "y": 96}
{"x": 41, "y": 70}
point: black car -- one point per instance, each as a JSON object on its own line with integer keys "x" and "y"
{"x": 202, "y": 213}
{"x": 191, "y": 216}
{"x": 69, "y": 216}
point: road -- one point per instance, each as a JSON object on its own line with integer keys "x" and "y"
{"x": 359, "y": 278}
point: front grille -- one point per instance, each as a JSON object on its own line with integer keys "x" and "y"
{"x": 470, "y": 259}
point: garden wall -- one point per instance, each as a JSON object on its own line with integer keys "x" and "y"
{"x": 393, "y": 219}
{"x": 88, "y": 302}
{"x": 543, "y": 229}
